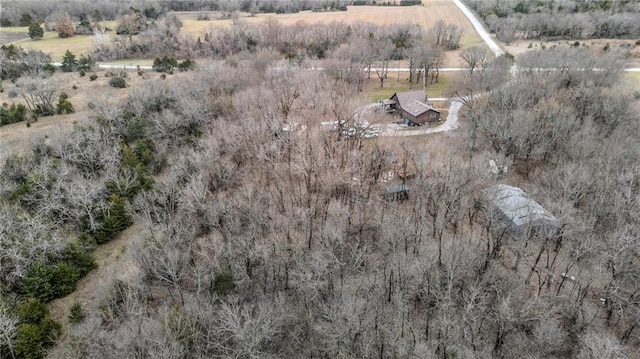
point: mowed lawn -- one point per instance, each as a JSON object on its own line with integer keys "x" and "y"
{"x": 392, "y": 85}
{"x": 54, "y": 45}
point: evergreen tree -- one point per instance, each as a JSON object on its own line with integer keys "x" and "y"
{"x": 69, "y": 62}
{"x": 85, "y": 63}
{"x": 37, "y": 282}
{"x": 114, "y": 221}
{"x": 35, "y": 31}
{"x": 76, "y": 313}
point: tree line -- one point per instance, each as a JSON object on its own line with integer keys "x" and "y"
{"x": 20, "y": 13}
{"x": 510, "y": 20}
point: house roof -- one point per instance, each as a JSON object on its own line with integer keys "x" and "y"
{"x": 405, "y": 97}
{"x": 413, "y": 102}
{"x": 416, "y": 108}
{"x": 517, "y": 206}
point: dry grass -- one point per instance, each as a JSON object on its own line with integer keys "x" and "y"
{"x": 56, "y": 46}
{"x": 425, "y": 16}
{"x": 522, "y": 46}
{"x": 114, "y": 262}
{"x": 50, "y": 42}
{"x": 632, "y": 79}
{"x": 17, "y": 138}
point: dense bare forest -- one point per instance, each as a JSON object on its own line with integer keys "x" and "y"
{"x": 264, "y": 235}
{"x": 551, "y": 19}
{"x": 21, "y": 13}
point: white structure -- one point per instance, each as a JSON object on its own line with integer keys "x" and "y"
{"x": 522, "y": 215}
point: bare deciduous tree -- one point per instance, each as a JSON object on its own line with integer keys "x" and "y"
{"x": 39, "y": 92}
{"x": 476, "y": 57}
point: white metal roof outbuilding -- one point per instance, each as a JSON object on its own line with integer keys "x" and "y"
{"x": 522, "y": 214}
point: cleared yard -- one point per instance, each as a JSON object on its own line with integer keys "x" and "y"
{"x": 391, "y": 85}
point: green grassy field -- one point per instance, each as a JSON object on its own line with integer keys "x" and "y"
{"x": 391, "y": 85}
{"x": 56, "y": 46}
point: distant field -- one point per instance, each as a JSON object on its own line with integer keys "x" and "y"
{"x": 426, "y": 16}
{"x": 523, "y": 46}
{"x": 50, "y": 43}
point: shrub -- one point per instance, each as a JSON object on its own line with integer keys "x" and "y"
{"x": 186, "y": 65}
{"x": 49, "y": 68}
{"x": 85, "y": 63}
{"x": 64, "y": 26}
{"x": 33, "y": 339}
{"x": 93, "y": 77}
{"x": 76, "y": 313}
{"x": 638, "y": 42}
{"x": 29, "y": 342}
{"x": 32, "y": 311}
{"x": 64, "y": 106}
{"x": 164, "y": 64}
{"x": 223, "y": 284}
{"x": 82, "y": 73}
{"x": 35, "y": 31}
{"x": 13, "y": 114}
{"x": 117, "y": 82}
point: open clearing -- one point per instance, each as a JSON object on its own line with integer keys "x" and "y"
{"x": 392, "y": 85}
{"x": 114, "y": 261}
{"x": 17, "y": 138}
{"x": 425, "y": 16}
{"x": 523, "y": 46}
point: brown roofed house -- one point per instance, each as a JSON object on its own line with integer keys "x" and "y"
{"x": 413, "y": 107}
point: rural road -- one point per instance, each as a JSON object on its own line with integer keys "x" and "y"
{"x": 477, "y": 25}
{"x": 114, "y": 67}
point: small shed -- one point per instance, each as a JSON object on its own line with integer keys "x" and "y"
{"x": 396, "y": 193}
{"x": 522, "y": 215}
